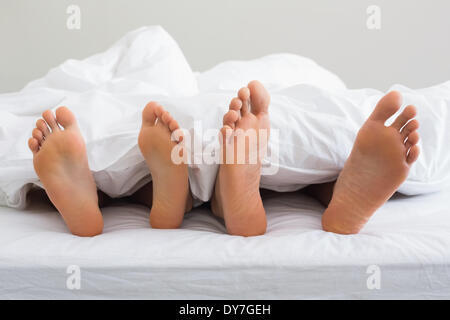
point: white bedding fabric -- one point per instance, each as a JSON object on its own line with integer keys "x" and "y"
{"x": 408, "y": 239}
{"x": 315, "y": 116}
{"x": 317, "y": 119}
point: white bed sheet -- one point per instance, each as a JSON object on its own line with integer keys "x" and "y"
{"x": 408, "y": 239}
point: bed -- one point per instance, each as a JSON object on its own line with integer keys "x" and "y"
{"x": 405, "y": 246}
{"x": 402, "y": 253}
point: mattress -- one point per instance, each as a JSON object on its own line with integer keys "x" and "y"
{"x": 405, "y": 246}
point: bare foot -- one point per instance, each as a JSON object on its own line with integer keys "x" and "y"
{"x": 60, "y": 161}
{"x": 236, "y": 195}
{"x": 171, "y": 195}
{"x": 377, "y": 166}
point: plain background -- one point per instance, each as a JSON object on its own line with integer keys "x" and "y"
{"x": 412, "y": 47}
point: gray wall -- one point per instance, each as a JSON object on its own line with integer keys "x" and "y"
{"x": 412, "y": 47}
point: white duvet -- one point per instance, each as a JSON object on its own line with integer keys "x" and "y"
{"x": 313, "y": 116}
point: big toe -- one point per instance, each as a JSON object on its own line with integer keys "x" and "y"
{"x": 151, "y": 112}
{"x": 259, "y": 96}
{"x": 387, "y": 106}
{"x": 65, "y": 117}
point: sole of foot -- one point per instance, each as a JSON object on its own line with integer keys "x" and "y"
{"x": 378, "y": 164}
{"x": 60, "y": 161}
{"x": 171, "y": 195}
{"x": 236, "y": 196}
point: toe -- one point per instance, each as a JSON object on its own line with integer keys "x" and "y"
{"x": 412, "y": 140}
{"x": 177, "y": 133}
{"x": 387, "y": 106}
{"x": 407, "y": 114}
{"x": 244, "y": 95}
{"x": 166, "y": 118}
{"x": 411, "y": 126}
{"x": 37, "y": 134}
{"x": 230, "y": 118}
{"x": 413, "y": 154}
{"x": 65, "y": 117}
{"x": 235, "y": 104}
{"x": 42, "y": 126}
{"x": 151, "y": 112}
{"x": 173, "y": 125}
{"x": 33, "y": 144}
{"x": 260, "y": 98}
{"x": 225, "y": 134}
{"x": 49, "y": 117}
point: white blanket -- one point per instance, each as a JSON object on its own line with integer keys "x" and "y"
{"x": 313, "y": 116}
